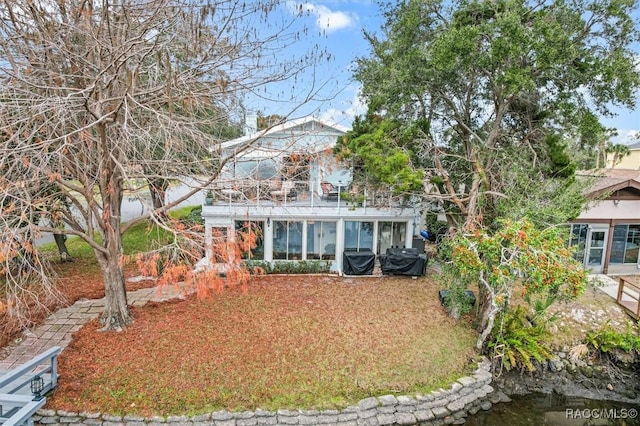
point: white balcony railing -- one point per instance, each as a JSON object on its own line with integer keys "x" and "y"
{"x": 269, "y": 192}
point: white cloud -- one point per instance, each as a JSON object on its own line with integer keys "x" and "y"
{"x": 326, "y": 19}
{"x": 626, "y": 137}
{"x": 345, "y": 115}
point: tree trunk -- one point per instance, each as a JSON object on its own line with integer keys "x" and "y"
{"x": 116, "y": 315}
{"x": 491, "y": 317}
{"x": 158, "y": 191}
{"x": 484, "y": 304}
{"x": 487, "y": 310}
{"x": 60, "y": 240}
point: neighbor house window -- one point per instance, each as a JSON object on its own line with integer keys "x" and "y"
{"x": 358, "y": 235}
{"x": 625, "y": 244}
{"x": 250, "y": 235}
{"x": 287, "y": 240}
{"x": 321, "y": 240}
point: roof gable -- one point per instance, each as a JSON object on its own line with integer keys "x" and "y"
{"x": 292, "y": 128}
{"x": 611, "y": 180}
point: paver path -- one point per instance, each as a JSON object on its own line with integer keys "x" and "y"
{"x": 59, "y": 326}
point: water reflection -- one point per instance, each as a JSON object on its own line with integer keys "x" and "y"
{"x": 554, "y": 409}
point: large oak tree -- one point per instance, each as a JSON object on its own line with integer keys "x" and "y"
{"x": 479, "y": 99}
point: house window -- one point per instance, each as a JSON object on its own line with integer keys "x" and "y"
{"x": 287, "y": 240}
{"x": 321, "y": 240}
{"x": 625, "y": 244}
{"x": 391, "y": 234}
{"x": 358, "y": 235}
{"x": 256, "y": 169}
{"x": 578, "y": 240}
{"x": 250, "y": 236}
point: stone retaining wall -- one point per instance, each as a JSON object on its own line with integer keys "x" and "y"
{"x": 589, "y": 378}
{"x": 466, "y": 396}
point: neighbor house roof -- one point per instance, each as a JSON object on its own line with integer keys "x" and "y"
{"x": 611, "y": 180}
{"x": 285, "y": 127}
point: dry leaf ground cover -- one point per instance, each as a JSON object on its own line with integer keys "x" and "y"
{"x": 289, "y": 342}
{"x": 80, "y": 279}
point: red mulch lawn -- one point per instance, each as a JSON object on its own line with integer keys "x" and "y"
{"x": 289, "y": 342}
{"x": 80, "y": 279}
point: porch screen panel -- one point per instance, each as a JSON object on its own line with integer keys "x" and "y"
{"x": 287, "y": 240}
{"x": 321, "y": 240}
{"x": 358, "y": 235}
{"x": 633, "y": 243}
{"x": 250, "y": 234}
{"x": 391, "y": 234}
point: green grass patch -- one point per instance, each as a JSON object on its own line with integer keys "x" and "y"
{"x": 139, "y": 238}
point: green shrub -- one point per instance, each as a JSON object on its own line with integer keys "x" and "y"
{"x": 433, "y": 224}
{"x": 289, "y": 266}
{"x": 301, "y": 267}
{"x": 352, "y": 200}
{"x": 457, "y": 300}
{"x": 606, "y": 339}
{"x": 253, "y": 266}
{"x": 194, "y": 216}
{"x": 519, "y": 340}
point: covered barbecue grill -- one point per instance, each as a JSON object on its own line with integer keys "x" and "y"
{"x": 403, "y": 261}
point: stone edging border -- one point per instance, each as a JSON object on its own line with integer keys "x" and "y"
{"x": 466, "y": 396}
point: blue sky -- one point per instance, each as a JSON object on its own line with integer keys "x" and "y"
{"x": 338, "y": 26}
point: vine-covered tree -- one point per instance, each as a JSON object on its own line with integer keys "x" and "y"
{"x": 491, "y": 93}
{"x": 96, "y": 95}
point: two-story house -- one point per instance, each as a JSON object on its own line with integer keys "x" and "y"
{"x": 287, "y": 187}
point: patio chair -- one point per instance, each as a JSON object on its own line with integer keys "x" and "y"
{"x": 328, "y": 191}
{"x": 287, "y": 191}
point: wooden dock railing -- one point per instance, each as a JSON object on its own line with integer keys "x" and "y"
{"x": 629, "y": 296}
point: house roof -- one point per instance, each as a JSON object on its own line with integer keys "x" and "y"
{"x": 282, "y": 128}
{"x": 634, "y": 146}
{"x": 611, "y": 180}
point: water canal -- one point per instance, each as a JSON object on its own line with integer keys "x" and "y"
{"x": 552, "y": 409}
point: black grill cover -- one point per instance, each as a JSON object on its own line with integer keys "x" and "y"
{"x": 358, "y": 262}
{"x": 406, "y": 261}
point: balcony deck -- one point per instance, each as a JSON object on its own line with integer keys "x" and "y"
{"x": 301, "y": 196}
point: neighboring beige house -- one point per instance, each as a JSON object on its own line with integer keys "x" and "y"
{"x": 608, "y": 232}
{"x": 629, "y": 162}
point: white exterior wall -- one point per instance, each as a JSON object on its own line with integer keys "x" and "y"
{"x": 612, "y": 209}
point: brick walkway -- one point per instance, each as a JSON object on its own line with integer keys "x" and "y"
{"x": 59, "y": 326}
